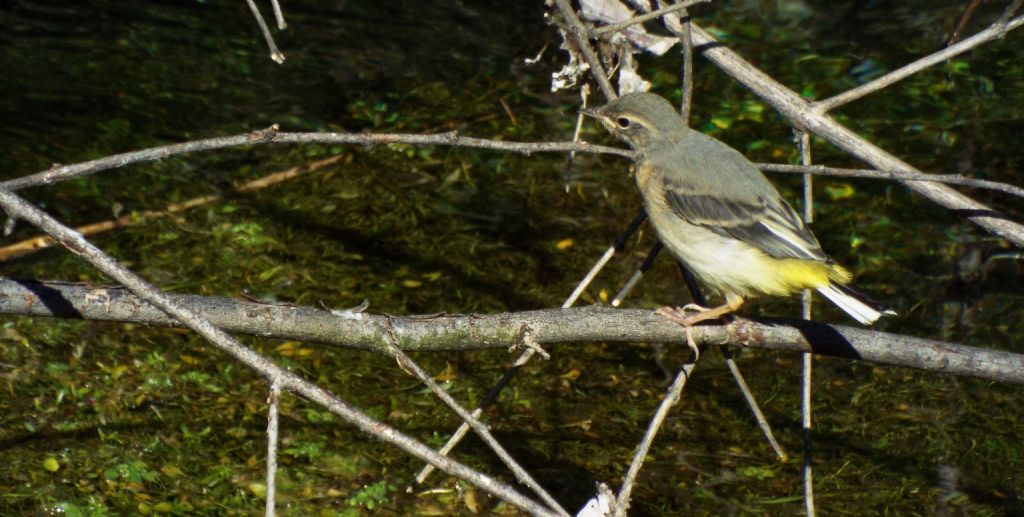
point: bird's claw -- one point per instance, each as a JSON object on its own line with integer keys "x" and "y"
{"x": 678, "y": 315}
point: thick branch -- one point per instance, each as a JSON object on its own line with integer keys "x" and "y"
{"x": 467, "y": 332}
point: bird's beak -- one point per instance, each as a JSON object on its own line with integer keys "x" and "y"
{"x": 593, "y": 112}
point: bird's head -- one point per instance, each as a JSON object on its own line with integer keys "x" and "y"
{"x": 640, "y": 119}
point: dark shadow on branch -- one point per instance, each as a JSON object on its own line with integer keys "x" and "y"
{"x": 51, "y": 298}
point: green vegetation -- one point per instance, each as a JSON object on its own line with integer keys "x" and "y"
{"x": 112, "y": 419}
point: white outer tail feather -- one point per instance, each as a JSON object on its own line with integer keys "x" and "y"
{"x": 859, "y": 310}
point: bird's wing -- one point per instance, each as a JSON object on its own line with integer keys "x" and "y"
{"x": 770, "y": 225}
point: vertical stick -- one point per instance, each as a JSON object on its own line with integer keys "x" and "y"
{"x": 804, "y": 142}
{"x": 274, "y": 403}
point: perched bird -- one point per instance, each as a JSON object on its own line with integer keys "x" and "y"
{"x": 718, "y": 214}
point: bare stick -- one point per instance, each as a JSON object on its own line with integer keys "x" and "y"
{"x": 961, "y": 24}
{"x": 274, "y": 403}
{"x": 636, "y": 20}
{"x": 1011, "y": 10}
{"x": 584, "y": 93}
{"x": 686, "y": 105}
{"x": 949, "y": 179}
{"x": 762, "y": 422}
{"x": 631, "y": 283}
{"x": 484, "y": 403}
{"x": 272, "y": 136}
{"x": 803, "y": 139}
{"x": 994, "y": 31}
{"x": 671, "y": 398}
{"x": 579, "y": 34}
{"x": 278, "y": 15}
{"x": 275, "y": 54}
{"x": 15, "y": 206}
{"x": 410, "y": 367}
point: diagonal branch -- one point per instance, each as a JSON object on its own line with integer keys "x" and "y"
{"x": 805, "y": 116}
{"x": 16, "y": 207}
{"x": 995, "y": 31}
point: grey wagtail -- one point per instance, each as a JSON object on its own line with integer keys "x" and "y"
{"x": 718, "y": 214}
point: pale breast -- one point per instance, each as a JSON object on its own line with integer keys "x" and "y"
{"x": 722, "y": 263}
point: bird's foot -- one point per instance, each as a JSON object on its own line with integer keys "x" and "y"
{"x": 678, "y": 315}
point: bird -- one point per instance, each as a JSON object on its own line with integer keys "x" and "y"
{"x": 718, "y": 214}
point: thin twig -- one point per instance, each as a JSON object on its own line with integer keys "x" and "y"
{"x": 584, "y": 93}
{"x": 271, "y": 136}
{"x": 409, "y": 366}
{"x": 961, "y": 23}
{"x": 671, "y": 398}
{"x": 275, "y": 54}
{"x": 803, "y": 139}
{"x": 17, "y": 207}
{"x": 278, "y": 15}
{"x": 762, "y": 422}
{"x": 636, "y": 20}
{"x": 631, "y": 283}
{"x": 949, "y": 179}
{"x": 65, "y": 172}
{"x": 993, "y": 32}
{"x": 686, "y": 104}
{"x": 273, "y": 413}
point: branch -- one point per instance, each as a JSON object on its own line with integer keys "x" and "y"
{"x": 467, "y": 332}
{"x": 805, "y": 116}
{"x": 275, "y": 54}
{"x": 995, "y": 31}
{"x": 615, "y": 27}
{"x": 950, "y": 179}
{"x": 271, "y": 136}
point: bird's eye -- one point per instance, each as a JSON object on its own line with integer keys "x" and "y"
{"x": 623, "y": 122}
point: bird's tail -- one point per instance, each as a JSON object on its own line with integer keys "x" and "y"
{"x": 855, "y": 303}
